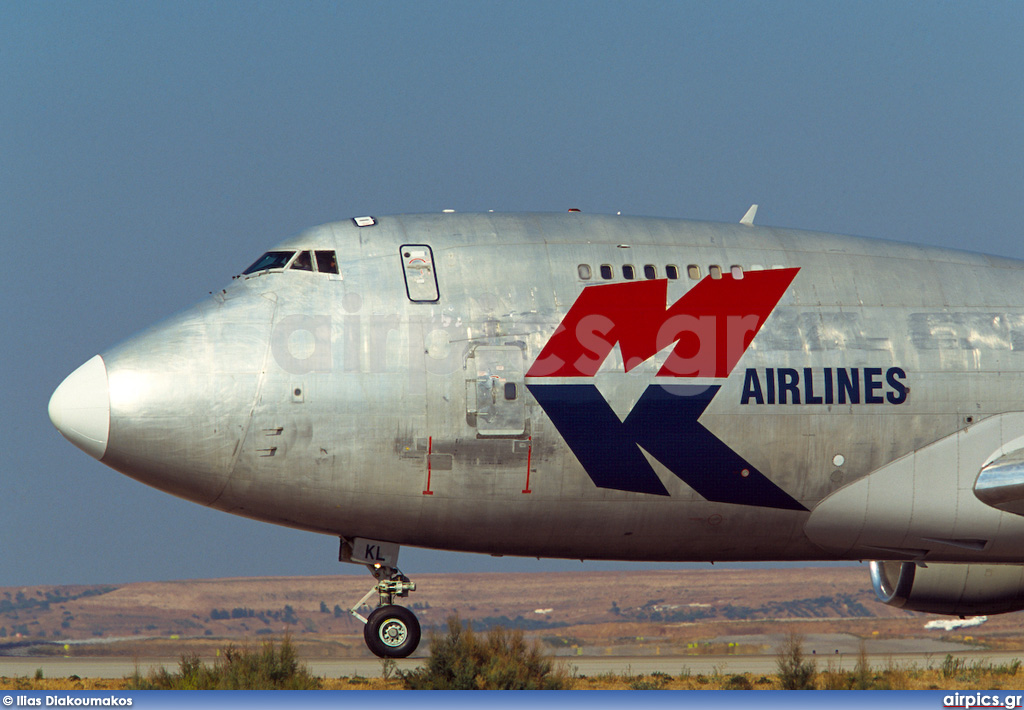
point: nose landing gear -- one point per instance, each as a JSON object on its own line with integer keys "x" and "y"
{"x": 390, "y": 631}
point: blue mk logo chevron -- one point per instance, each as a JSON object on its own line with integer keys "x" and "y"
{"x": 665, "y": 424}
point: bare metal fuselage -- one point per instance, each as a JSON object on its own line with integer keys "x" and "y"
{"x": 341, "y": 405}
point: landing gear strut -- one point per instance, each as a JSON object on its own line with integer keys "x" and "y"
{"x": 390, "y": 631}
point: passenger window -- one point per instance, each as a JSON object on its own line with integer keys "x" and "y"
{"x": 270, "y": 260}
{"x": 584, "y": 271}
{"x": 736, "y": 271}
{"x": 303, "y": 262}
{"x": 715, "y": 271}
{"x": 693, "y": 271}
{"x": 326, "y": 262}
{"x": 510, "y": 391}
{"x": 672, "y": 271}
{"x": 628, "y": 272}
{"x": 606, "y": 272}
{"x": 650, "y": 272}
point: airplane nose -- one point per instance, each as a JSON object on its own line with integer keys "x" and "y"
{"x": 80, "y": 408}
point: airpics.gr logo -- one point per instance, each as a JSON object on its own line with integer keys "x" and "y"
{"x": 709, "y": 329}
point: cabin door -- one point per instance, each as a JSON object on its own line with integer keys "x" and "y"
{"x": 420, "y": 277}
{"x": 494, "y": 390}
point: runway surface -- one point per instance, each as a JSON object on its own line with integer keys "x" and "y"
{"x": 104, "y": 667}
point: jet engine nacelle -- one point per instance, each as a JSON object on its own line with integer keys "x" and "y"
{"x": 955, "y": 589}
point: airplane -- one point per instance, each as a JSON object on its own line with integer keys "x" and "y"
{"x": 597, "y": 387}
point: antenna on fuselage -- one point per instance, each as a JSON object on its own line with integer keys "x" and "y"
{"x": 748, "y": 218}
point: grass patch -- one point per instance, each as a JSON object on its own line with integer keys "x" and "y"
{"x": 501, "y": 660}
{"x": 795, "y": 673}
{"x": 237, "y": 668}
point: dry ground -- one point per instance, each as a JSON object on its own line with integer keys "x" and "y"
{"x": 592, "y": 613}
{"x": 892, "y": 678}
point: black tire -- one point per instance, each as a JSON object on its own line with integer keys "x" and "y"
{"x": 392, "y": 631}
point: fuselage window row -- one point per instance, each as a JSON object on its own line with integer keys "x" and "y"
{"x": 650, "y": 271}
{"x": 607, "y": 272}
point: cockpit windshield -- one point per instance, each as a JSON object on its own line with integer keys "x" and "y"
{"x": 324, "y": 261}
{"x": 303, "y": 262}
{"x": 270, "y": 260}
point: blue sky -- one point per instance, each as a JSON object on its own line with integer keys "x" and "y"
{"x": 149, "y": 151}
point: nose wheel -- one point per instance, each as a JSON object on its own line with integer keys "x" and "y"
{"x": 392, "y": 631}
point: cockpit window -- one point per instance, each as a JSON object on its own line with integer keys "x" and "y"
{"x": 323, "y": 260}
{"x": 270, "y": 260}
{"x": 326, "y": 262}
{"x": 303, "y": 262}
